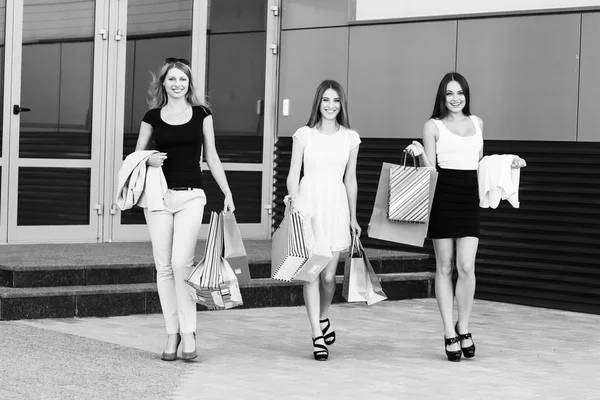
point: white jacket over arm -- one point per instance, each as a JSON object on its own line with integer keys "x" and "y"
{"x": 498, "y": 181}
{"x": 140, "y": 184}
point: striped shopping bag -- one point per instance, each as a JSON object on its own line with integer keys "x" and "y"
{"x": 289, "y": 251}
{"x": 409, "y": 193}
{"x": 213, "y": 283}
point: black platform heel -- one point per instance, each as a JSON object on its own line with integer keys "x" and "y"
{"x": 452, "y": 355}
{"x": 323, "y": 353}
{"x": 328, "y": 337}
{"x": 468, "y": 352}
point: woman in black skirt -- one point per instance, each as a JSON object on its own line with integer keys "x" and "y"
{"x": 453, "y": 140}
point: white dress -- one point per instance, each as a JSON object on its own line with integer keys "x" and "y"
{"x": 322, "y": 194}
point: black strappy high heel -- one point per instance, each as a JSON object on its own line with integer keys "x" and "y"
{"x": 452, "y": 355}
{"x": 328, "y": 337}
{"x": 469, "y": 351}
{"x": 322, "y": 354}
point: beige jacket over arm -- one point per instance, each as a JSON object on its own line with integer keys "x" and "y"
{"x": 140, "y": 184}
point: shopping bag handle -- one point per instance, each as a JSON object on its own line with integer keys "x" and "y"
{"x": 415, "y": 161}
{"x": 356, "y": 245}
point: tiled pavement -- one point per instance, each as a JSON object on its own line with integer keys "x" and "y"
{"x": 392, "y": 350}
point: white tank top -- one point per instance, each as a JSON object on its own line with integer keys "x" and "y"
{"x": 458, "y": 152}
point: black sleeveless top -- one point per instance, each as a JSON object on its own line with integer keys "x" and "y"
{"x": 183, "y": 145}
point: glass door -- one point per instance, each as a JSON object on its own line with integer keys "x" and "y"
{"x": 152, "y": 32}
{"x": 54, "y": 120}
{"x": 226, "y": 41}
{"x": 237, "y": 57}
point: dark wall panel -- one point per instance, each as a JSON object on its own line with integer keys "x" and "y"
{"x": 523, "y": 74}
{"x": 392, "y": 85}
{"x": 589, "y": 84}
{"x": 544, "y": 253}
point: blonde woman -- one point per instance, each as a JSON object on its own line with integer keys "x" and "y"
{"x": 180, "y": 124}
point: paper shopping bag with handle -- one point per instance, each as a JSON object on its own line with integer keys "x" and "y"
{"x": 373, "y": 291}
{"x": 229, "y": 289}
{"x": 360, "y": 281}
{"x": 234, "y": 251}
{"x": 380, "y": 227}
{"x": 288, "y": 247}
{"x": 408, "y": 199}
{"x": 318, "y": 250}
{"x": 212, "y": 282}
{"x": 354, "y": 284}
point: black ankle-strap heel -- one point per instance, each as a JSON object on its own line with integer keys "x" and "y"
{"x": 329, "y": 337}
{"x": 322, "y": 354}
{"x": 452, "y": 355}
{"x": 469, "y": 351}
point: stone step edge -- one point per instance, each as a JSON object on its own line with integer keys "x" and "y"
{"x": 7, "y": 293}
{"x": 26, "y": 268}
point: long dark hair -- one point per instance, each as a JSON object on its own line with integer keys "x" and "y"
{"x": 439, "y": 108}
{"x": 315, "y": 114}
{"x": 158, "y": 95}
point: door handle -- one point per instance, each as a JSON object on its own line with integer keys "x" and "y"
{"x": 17, "y": 109}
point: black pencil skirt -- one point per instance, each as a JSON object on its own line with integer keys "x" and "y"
{"x": 455, "y": 208}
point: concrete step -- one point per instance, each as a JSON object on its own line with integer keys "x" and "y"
{"x": 142, "y": 298}
{"x": 24, "y": 276}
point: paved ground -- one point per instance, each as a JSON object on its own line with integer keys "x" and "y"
{"x": 392, "y": 350}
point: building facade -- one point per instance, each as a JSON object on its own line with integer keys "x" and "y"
{"x": 74, "y": 85}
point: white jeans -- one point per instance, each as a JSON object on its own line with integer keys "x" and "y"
{"x": 174, "y": 233}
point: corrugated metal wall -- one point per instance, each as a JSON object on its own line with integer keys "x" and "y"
{"x": 546, "y": 253}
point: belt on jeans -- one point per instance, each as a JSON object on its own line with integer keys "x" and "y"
{"x": 182, "y": 188}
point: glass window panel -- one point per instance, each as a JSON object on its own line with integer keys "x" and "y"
{"x": 236, "y": 89}
{"x": 53, "y": 196}
{"x": 155, "y": 31}
{"x": 246, "y": 187}
{"x": 165, "y": 16}
{"x": 58, "y": 20}
{"x": 59, "y": 37}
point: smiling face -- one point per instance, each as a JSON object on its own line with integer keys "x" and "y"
{"x": 176, "y": 83}
{"x": 330, "y": 105}
{"x": 455, "y": 97}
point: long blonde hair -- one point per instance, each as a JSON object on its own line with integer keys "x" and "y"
{"x": 158, "y": 94}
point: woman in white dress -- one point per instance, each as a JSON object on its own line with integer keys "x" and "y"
{"x": 328, "y": 149}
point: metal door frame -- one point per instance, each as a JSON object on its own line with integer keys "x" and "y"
{"x": 6, "y": 110}
{"x": 11, "y": 124}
